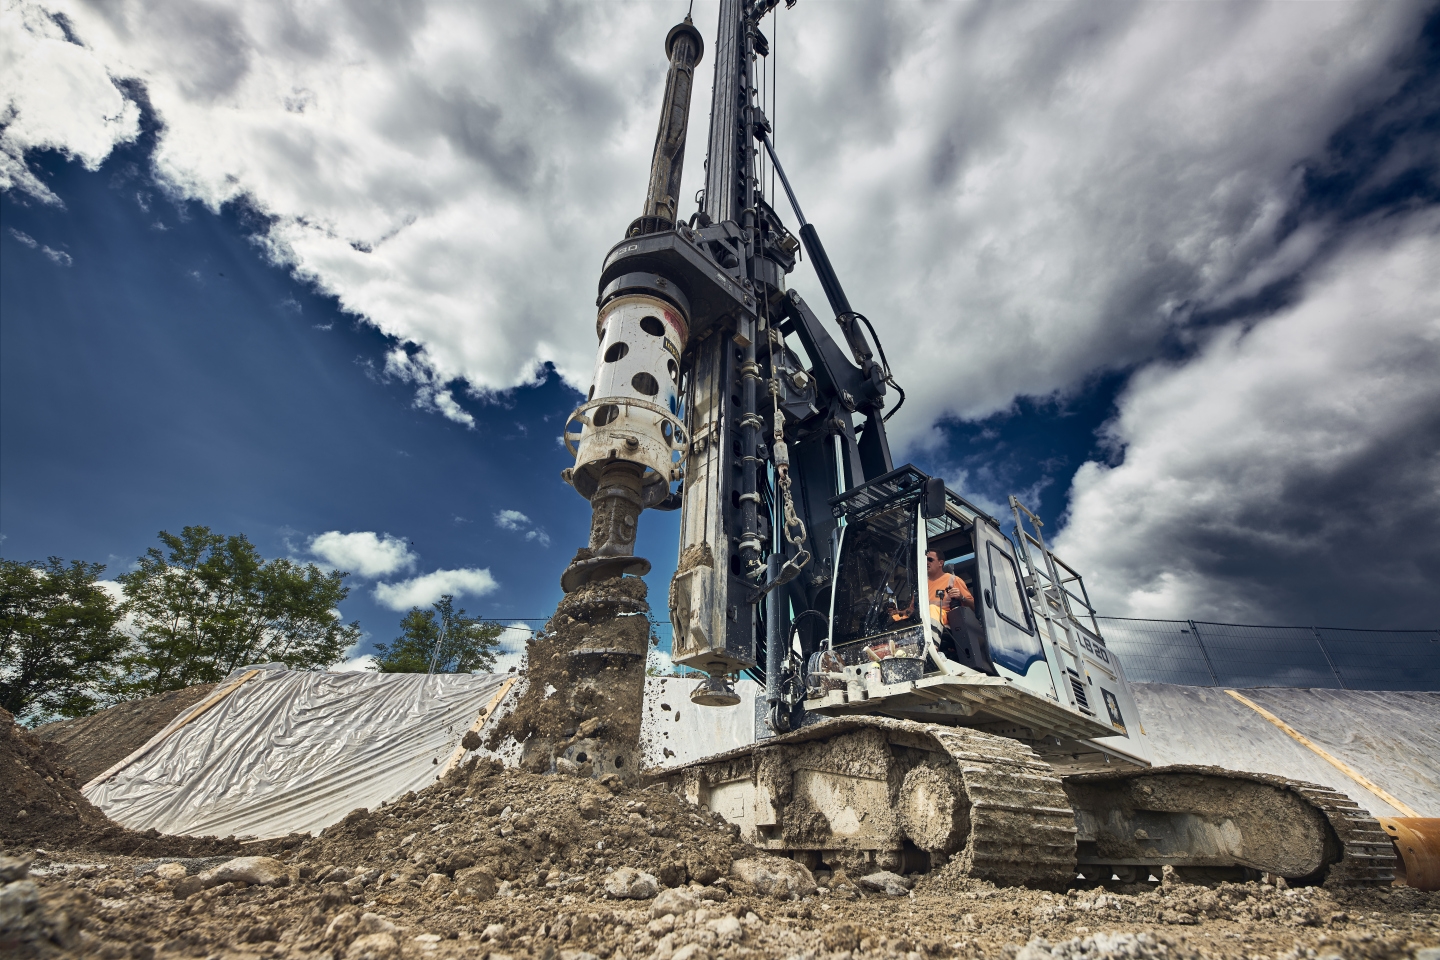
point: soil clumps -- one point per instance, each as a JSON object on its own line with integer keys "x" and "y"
{"x": 568, "y": 869}
{"x": 585, "y": 685}
{"x": 491, "y": 864}
{"x": 91, "y": 745}
{"x": 40, "y": 804}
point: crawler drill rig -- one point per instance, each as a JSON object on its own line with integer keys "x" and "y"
{"x": 893, "y": 734}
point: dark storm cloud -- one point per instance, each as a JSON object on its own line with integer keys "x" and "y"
{"x": 1024, "y": 197}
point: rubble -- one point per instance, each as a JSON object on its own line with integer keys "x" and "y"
{"x": 489, "y": 863}
{"x": 368, "y": 887}
{"x": 42, "y": 803}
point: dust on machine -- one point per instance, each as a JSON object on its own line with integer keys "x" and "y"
{"x": 934, "y": 691}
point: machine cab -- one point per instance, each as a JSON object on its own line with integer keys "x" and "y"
{"x": 897, "y": 646}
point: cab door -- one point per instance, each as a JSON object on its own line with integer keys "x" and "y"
{"x": 1010, "y": 627}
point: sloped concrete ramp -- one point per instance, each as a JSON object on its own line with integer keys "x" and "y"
{"x": 1392, "y": 738}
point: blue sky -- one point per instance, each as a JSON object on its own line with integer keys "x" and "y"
{"x": 162, "y": 373}
{"x": 1166, "y": 272}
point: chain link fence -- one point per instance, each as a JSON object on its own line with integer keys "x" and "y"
{"x": 1198, "y": 653}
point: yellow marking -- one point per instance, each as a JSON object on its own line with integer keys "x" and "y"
{"x": 160, "y": 738}
{"x": 1340, "y": 765}
{"x": 485, "y": 714}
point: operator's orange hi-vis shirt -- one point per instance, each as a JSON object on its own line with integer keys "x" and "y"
{"x": 939, "y": 613}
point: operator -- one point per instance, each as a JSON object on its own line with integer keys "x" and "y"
{"x": 952, "y": 605}
{"x": 947, "y": 592}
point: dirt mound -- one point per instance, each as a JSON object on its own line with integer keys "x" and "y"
{"x": 493, "y": 863}
{"x": 585, "y": 684}
{"x": 533, "y": 830}
{"x": 43, "y": 807}
{"x": 40, "y": 800}
{"x": 344, "y": 910}
{"x": 95, "y": 743}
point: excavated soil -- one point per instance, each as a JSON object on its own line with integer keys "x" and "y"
{"x": 91, "y": 745}
{"x": 584, "y": 685}
{"x": 494, "y": 864}
{"x": 41, "y": 804}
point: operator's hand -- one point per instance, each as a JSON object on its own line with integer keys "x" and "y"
{"x": 958, "y": 598}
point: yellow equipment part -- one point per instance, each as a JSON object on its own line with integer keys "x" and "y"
{"x": 1417, "y": 841}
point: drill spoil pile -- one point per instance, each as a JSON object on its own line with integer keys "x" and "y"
{"x": 502, "y": 863}
{"x": 91, "y": 745}
{"x": 585, "y": 684}
{"x": 591, "y": 862}
{"x": 41, "y": 803}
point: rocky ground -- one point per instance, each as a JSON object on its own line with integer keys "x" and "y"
{"x": 584, "y": 862}
{"x": 495, "y": 863}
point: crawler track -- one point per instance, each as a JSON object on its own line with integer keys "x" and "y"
{"x": 838, "y": 789}
{"x": 1365, "y": 855}
{"x": 1022, "y": 830}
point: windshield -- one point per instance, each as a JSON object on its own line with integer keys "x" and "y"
{"x": 875, "y": 583}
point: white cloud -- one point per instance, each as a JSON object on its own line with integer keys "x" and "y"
{"x": 365, "y": 554}
{"x": 56, "y": 95}
{"x": 57, "y": 256}
{"x": 424, "y": 590}
{"x": 1290, "y": 469}
{"x": 516, "y": 521}
{"x": 1063, "y": 184}
{"x": 1022, "y": 194}
{"x": 512, "y": 647}
{"x": 511, "y": 520}
{"x": 451, "y": 172}
{"x": 363, "y": 663}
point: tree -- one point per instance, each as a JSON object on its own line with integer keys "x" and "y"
{"x": 469, "y": 642}
{"x": 212, "y": 604}
{"x": 58, "y": 637}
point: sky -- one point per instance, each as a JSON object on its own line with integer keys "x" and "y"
{"x": 323, "y": 274}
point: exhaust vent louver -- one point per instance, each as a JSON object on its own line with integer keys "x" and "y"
{"x": 1080, "y": 698}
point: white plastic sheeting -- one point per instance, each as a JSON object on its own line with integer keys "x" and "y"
{"x": 291, "y": 751}
{"x": 675, "y": 731}
{"x": 297, "y": 751}
{"x": 1392, "y": 737}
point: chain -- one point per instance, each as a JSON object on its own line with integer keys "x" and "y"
{"x": 793, "y": 526}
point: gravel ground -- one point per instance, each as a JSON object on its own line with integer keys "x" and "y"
{"x": 497, "y": 863}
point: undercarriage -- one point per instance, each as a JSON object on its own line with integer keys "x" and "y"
{"x": 865, "y": 794}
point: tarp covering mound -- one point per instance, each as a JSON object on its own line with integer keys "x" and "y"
{"x": 1389, "y": 737}
{"x": 286, "y": 752}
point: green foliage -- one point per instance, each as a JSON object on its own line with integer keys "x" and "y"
{"x": 469, "y": 642}
{"x": 58, "y": 638}
{"x": 212, "y": 603}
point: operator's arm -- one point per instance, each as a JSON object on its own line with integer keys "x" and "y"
{"x": 958, "y": 594}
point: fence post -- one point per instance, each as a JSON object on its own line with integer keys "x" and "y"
{"x": 1333, "y": 669}
{"x": 1195, "y": 632}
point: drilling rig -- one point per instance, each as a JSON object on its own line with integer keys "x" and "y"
{"x": 899, "y": 728}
